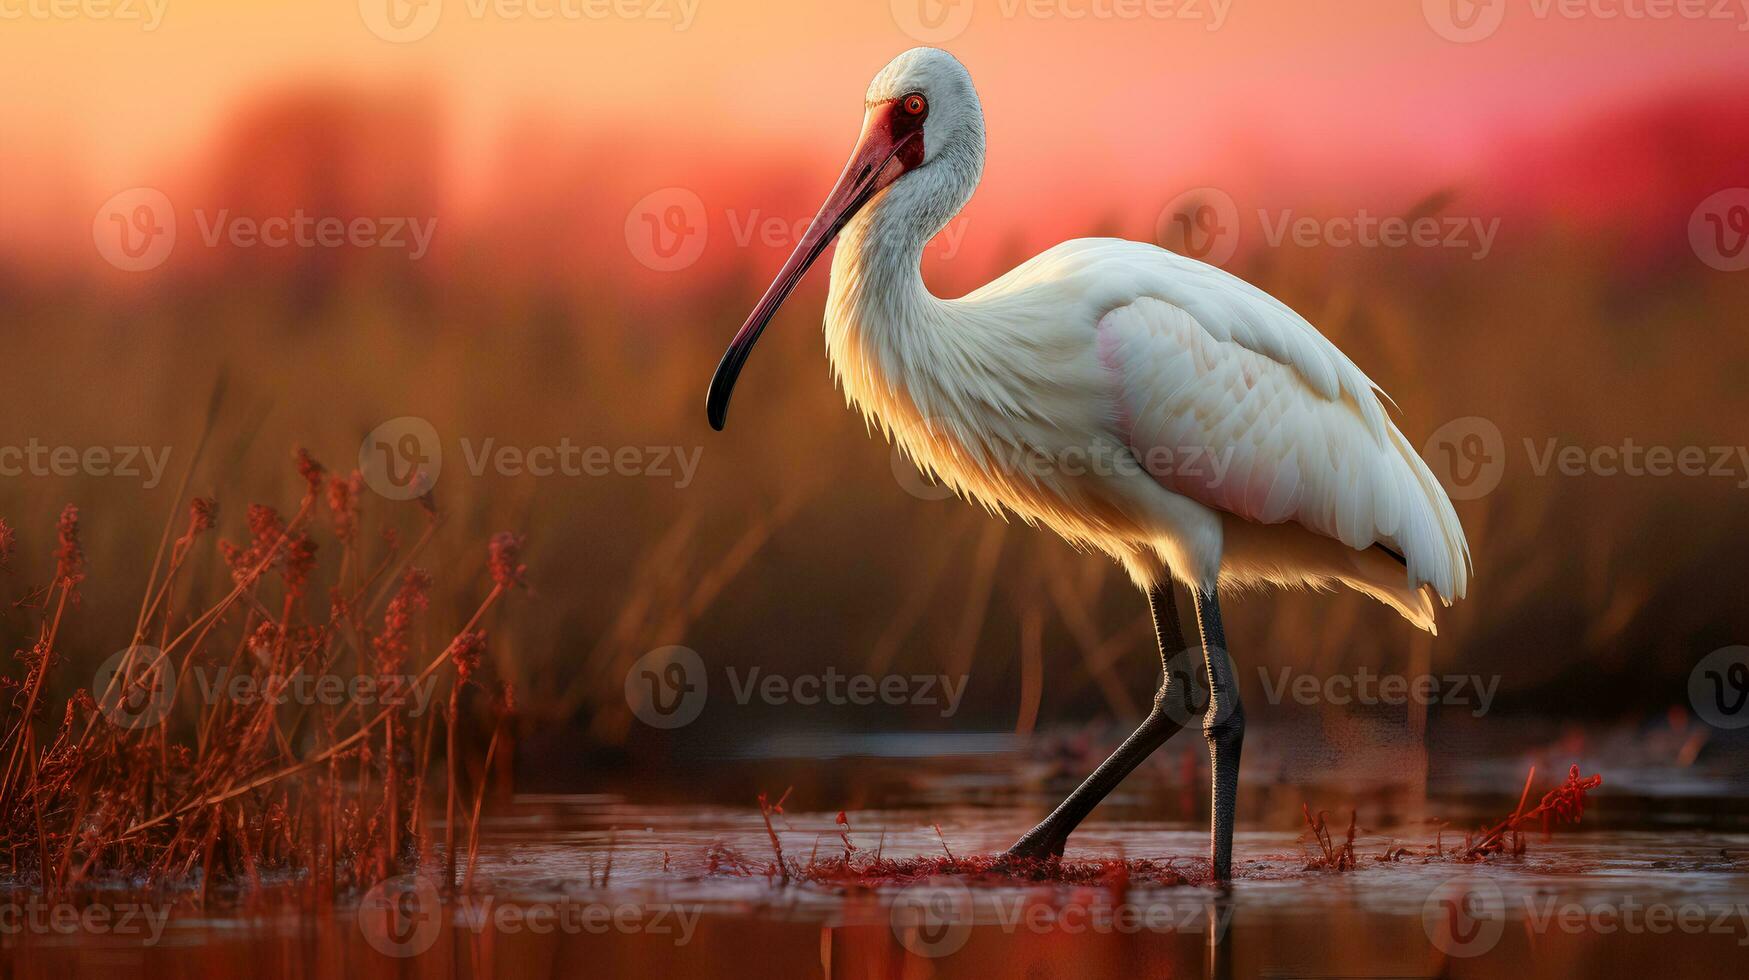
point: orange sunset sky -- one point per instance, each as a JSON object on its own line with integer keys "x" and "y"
{"x": 1084, "y": 97}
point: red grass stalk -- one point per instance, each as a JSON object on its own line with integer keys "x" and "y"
{"x": 1563, "y": 804}
{"x": 1335, "y": 857}
{"x": 129, "y": 798}
{"x": 766, "y": 809}
{"x": 509, "y": 706}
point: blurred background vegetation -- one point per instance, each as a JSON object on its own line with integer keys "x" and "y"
{"x": 796, "y": 548}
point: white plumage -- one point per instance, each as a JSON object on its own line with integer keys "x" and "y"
{"x": 1079, "y": 390}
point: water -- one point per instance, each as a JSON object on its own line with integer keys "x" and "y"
{"x": 672, "y": 880}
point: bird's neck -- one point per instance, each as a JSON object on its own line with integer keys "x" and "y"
{"x": 882, "y": 323}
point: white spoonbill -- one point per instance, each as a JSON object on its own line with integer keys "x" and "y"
{"x": 1133, "y": 363}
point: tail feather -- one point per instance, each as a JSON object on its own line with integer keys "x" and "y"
{"x": 1429, "y": 538}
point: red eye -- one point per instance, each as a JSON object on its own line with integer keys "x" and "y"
{"x": 915, "y": 104}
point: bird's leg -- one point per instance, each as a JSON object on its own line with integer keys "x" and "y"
{"x": 1049, "y": 837}
{"x": 1223, "y": 724}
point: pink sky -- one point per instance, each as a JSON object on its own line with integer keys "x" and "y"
{"x": 1104, "y": 111}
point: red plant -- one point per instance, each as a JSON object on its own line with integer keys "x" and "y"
{"x": 1563, "y": 804}
{"x": 117, "y": 784}
{"x": 1336, "y": 857}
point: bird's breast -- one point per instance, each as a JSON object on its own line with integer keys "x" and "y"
{"x": 1030, "y": 442}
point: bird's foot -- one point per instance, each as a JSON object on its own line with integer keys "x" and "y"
{"x": 1029, "y": 855}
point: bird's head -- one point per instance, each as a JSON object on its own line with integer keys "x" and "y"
{"x": 920, "y": 115}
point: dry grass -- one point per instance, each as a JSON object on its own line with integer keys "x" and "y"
{"x": 155, "y": 778}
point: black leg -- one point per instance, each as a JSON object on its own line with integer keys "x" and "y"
{"x": 1165, "y": 719}
{"x": 1224, "y": 726}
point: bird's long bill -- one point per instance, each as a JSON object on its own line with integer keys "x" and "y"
{"x": 872, "y": 166}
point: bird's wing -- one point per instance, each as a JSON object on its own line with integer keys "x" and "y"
{"x": 1230, "y": 398}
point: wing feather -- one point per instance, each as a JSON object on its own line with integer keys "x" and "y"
{"x": 1296, "y": 431}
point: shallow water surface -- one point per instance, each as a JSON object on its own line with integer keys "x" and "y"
{"x": 1651, "y": 883}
